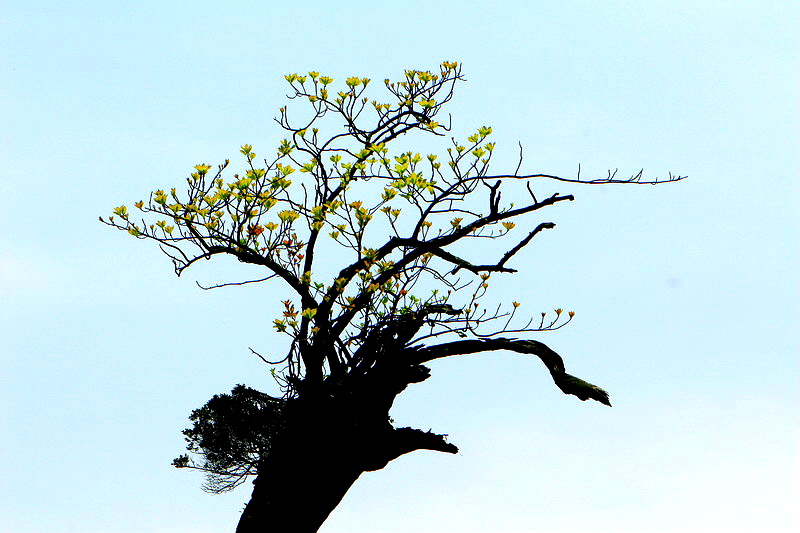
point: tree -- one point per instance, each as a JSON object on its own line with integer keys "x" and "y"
{"x": 371, "y": 242}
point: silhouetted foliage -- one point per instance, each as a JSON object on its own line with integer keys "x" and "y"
{"x": 231, "y": 432}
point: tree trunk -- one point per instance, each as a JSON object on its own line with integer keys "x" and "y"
{"x": 306, "y": 473}
{"x": 296, "y": 494}
{"x": 326, "y": 443}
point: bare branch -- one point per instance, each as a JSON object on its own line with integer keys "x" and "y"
{"x": 554, "y": 363}
{"x": 610, "y": 179}
{"x": 278, "y": 362}
{"x": 405, "y": 440}
{"x": 234, "y": 283}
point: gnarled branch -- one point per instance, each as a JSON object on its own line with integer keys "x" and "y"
{"x": 555, "y": 364}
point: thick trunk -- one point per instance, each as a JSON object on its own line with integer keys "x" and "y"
{"x": 305, "y": 475}
{"x": 296, "y": 495}
{"x": 324, "y": 446}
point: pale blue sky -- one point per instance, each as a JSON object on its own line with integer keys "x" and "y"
{"x": 686, "y": 294}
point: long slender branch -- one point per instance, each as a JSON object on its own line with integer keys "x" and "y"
{"x": 285, "y": 274}
{"x": 234, "y": 283}
{"x": 635, "y": 179}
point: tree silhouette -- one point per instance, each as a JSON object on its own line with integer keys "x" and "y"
{"x": 373, "y": 245}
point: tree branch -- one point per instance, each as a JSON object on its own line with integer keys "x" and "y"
{"x": 555, "y": 364}
{"x": 405, "y": 440}
{"x": 636, "y": 178}
{"x": 418, "y": 249}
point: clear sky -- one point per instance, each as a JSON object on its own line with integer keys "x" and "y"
{"x": 686, "y": 294}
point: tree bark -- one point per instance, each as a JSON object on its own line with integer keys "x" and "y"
{"x": 296, "y": 495}
{"x": 324, "y": 446}
{"x": 306, "y": 473}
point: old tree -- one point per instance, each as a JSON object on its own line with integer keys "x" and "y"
{"x": 371, "y": 243}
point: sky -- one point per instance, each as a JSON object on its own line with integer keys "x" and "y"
{"x": 685, "y": 294}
